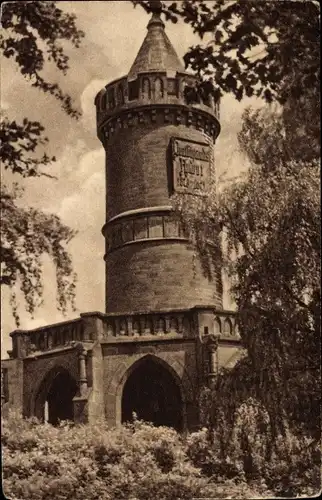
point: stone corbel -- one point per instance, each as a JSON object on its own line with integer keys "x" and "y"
{"x": 167, "y": 118}
{"x": 178, "y": 117}
{"x": 153, "y": 115}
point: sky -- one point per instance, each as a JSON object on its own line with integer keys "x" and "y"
{"x": 114, "y": 31}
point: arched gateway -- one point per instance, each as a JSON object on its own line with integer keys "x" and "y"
{"x": 54, "y": 401}
{"x": 153, "y": 394}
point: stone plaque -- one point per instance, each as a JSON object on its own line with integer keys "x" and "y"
{"x": 191, "y": 163}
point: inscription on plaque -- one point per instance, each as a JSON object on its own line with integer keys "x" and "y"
{"x": 191, "y": 166}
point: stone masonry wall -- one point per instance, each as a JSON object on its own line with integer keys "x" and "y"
{"x": 15, "y": 380}
{"x": 157, "y": 275}
{"x": 151, "y": 275}
{"x": 138, "y": 172}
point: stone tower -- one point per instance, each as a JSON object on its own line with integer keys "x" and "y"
{"x": 164, "y": 333}
{"x": 155, "y": 145}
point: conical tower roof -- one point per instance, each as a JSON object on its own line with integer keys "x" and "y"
{"x": 156, "y": 53}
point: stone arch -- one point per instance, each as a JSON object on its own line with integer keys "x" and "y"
{"x": 127, "y": 367}
{"x": 153, "y": 393}
{"x": 56, "y": 378}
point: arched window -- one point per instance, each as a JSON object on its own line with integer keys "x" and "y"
{"x": 159, "y": 88}
{"x": 146, "y": 88}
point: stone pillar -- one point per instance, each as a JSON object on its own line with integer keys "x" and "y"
{"x": 212, "y": 351}
{"x": 93, "y": 328}
{"x": 82, "y": 373}
{"x": 80, "y": 402}
{"x": 19, "y": 343}
{"x": 211, "y": 341}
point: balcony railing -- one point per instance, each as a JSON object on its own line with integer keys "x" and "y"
{"x": 46, "y": 338}
{"x": 142, "y": 325}
{"x": 113, "y": 327}
{"x": 166, "y": 323}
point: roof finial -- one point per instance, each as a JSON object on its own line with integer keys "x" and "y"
{"x": 156, "y": 9}
{"x": 156, "y": 6}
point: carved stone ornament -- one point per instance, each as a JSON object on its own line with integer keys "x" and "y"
{"x": 211, "y": 341}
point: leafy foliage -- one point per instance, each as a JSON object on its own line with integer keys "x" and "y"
{"x": 18, "y": 140}
{"x": 33, "y": 35}
{"x": 250, "y": 45}
{"x": 27, "y": 235}
{"x": 139, "y": 461}
{"x": 271, "y": 221}
{"x": 96, "y": 462}
{"x": 240, "y": 449}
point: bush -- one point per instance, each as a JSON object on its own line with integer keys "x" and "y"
{"x": 295, "y": 466}
{"x": 136, "y": 461}
{"x": 140, "y": 462}
{"x": 287, "y": 465}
